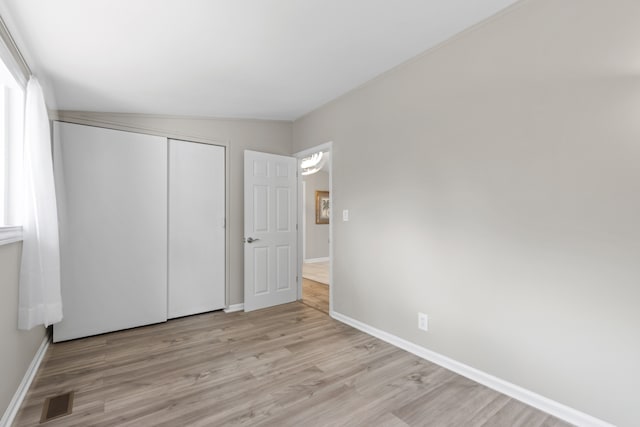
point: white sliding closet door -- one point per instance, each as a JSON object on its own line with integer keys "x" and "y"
{"x": 112, "y": 190}
{"x": 196, "y": 228}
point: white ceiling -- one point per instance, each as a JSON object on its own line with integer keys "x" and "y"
{"x": 271, "y": 59}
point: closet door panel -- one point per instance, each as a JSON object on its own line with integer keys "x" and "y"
{"x": 196, "y": 228}
{"x": 112, "y": 191}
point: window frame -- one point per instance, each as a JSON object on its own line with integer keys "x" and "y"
{"x": 12, "y": 104}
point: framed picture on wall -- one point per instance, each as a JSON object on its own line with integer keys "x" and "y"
{"x": 322, "y": 207}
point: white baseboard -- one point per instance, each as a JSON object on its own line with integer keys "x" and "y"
{"x": 234, "y": 307}
{"x": 314, "y": 260}
{"x": 23, "y": 388}
{"x": 542, "y": 403}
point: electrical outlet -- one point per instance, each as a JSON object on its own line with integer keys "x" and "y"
{"x": 423, "y": 322}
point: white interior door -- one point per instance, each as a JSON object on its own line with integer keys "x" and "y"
{"x": 112, "y": 189}
{"x": 196, "y": 228}
{"x": 270, "y": 247}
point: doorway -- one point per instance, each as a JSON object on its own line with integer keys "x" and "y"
{"x": 315, "y": 217}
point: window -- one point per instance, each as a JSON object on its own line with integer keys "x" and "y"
{"x": 11, "y": 157}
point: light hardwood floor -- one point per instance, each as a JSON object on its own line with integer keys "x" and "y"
{"x": 289, "y": 365}
{"x": 316, "y": 271}
{"x": 315, "y": 295}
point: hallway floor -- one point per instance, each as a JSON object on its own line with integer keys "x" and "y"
{"x": 316, "y": 271}
{"x": 315, "y": 295}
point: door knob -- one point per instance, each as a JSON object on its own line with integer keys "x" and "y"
{"x": 251, "y": 240}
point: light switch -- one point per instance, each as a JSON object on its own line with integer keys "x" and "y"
{"x": 345, "y": 215}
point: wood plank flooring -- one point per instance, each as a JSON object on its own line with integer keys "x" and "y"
{"x": 289, "y": 365}
{"x": 316, "y": 271}
{"x": 315, "y": 295}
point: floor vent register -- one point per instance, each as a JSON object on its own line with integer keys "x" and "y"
{"x": 57, "y": 406}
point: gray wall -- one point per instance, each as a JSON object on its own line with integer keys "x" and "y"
{"x": 316, "y": 235}
{"x": 18, "y": 347}
{"x": 260, "y": 135}
{"x": 493, "y": 184}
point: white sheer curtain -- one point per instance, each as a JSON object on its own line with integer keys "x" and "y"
{"x": 40, "y": 302}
